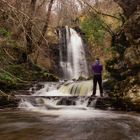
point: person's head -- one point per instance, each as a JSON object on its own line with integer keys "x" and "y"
{"x": 97, "y": 61}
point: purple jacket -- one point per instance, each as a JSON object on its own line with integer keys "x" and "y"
{"x": 97, "y": 69}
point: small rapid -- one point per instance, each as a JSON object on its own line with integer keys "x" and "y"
{"x": 58, "y": 96}
{"x": 69, "y": 88}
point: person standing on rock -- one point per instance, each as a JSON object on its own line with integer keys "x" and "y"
{"x": 97, "y": 69}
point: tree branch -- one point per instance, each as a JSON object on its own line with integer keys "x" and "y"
{"x": 44, "y": 30}
{"x": 12, "y": 7}
{"x": 9, "y": 54}
{"x": 98, "y": 12}
{"x": 41, "y": 4}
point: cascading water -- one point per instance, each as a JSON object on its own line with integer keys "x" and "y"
{"x": 72, "y": 55}
{"x": 56, "y": 95}
{"x": 73, "y": 64}
{"x": 63, "y": 111}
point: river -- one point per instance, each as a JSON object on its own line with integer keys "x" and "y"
{"x": 69, "y": 124}
{"x": 40, "y": 117}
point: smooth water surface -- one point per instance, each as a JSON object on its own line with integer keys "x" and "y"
{"x": 69, "y": 124}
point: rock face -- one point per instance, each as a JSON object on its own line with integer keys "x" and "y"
{"x": 125, "y": 65}
{"x": 128, "y": 6}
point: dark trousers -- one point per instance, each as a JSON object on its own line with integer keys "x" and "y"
{"x": 97, "y": 79}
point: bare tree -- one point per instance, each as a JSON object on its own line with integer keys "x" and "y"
{"x": 29, "y": 37}
{"x": 44, "y": 30}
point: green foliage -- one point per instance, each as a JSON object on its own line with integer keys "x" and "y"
{"x": 18, "y": 70}
{"x": 119, "y": 48}
{"x": 93, "y": 29}
{"x": 4, "y": 32}
{"x": 7, "y": 78}
{"x": 8, "y": 40}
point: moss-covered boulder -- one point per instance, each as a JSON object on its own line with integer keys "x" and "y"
{"x": 44, "y": 76}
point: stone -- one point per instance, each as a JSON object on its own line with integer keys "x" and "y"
{"x": 66, "y": 101}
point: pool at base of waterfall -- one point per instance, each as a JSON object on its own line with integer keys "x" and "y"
{"x": 69, "y": 124}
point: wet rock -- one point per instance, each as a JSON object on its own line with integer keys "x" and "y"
{"x": 66, "y": 101}
{"x": 8, "y": 100}
{"x": 100, "y": 102}
{"x": 39, "y": 86}
{"x": 109, "y": 84}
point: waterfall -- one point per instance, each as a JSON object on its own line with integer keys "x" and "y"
{"x": 62, "y": 94}
{"x": 72, "y": 55}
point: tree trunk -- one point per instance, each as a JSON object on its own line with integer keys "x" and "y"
{"x": 44, "y": 30}
{"x": 29, "y": 37}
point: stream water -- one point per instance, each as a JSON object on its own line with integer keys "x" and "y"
{"x": 41, "y": 117}
{"x": 69, "y": 124}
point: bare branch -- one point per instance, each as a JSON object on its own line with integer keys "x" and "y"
{"x": 98, "y": 12}
{"x": 44, "y": 30}
{"x": 39, "y": 6}
{"x": 13, "y": 8}
{"x": 9, "y": 54}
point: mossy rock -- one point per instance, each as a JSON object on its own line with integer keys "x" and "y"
{"x": 8, "y": 100}
{"x": 6, "y": 86}
{"x": 125, "y": 104}
{"x": 109, "y": 84}
{"x": 44, "y": 76}
{"x": 21, "y": 71}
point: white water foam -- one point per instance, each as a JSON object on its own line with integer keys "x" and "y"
{"x": 75, "y": 64}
